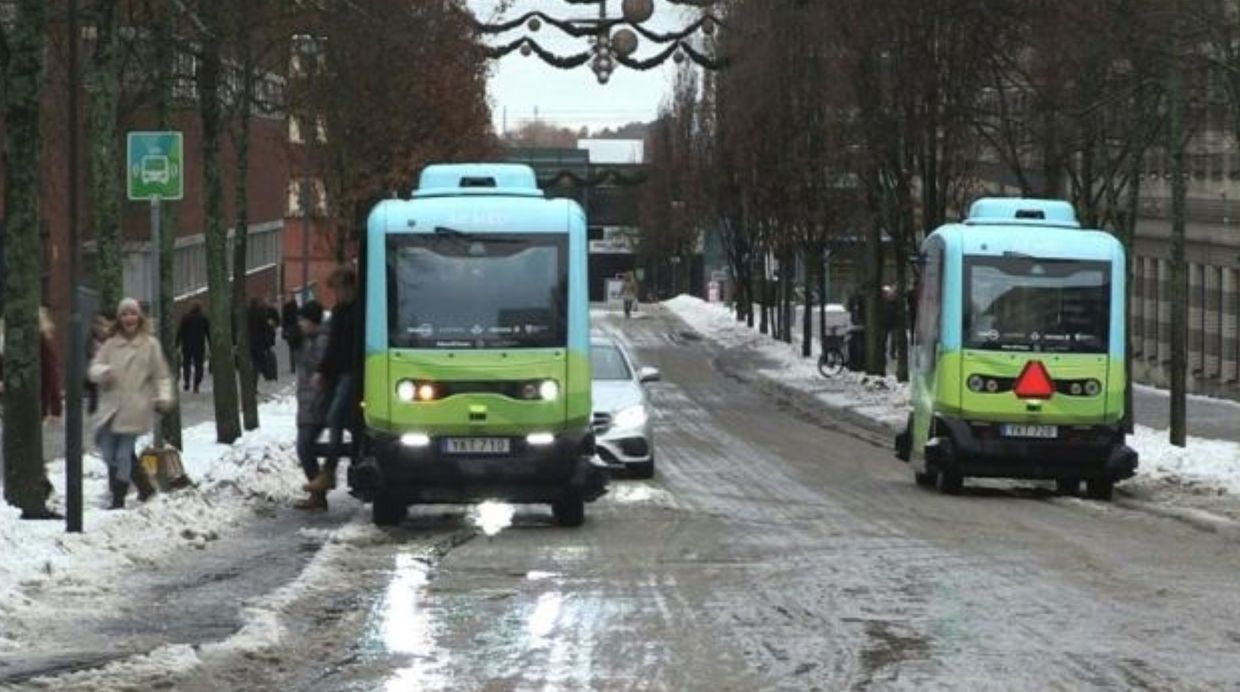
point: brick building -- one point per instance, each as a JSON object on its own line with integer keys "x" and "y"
{"x": 267, "y": 190}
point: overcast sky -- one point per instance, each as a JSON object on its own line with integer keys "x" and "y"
{"x": 519, "y": 85}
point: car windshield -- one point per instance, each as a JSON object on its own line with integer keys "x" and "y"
{"x": 476, "y": 291}
{"x": 609, "y": 364}
{"x": 1030, "y": 304}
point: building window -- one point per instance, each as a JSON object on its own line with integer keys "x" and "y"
{"x": 295, "y": 186}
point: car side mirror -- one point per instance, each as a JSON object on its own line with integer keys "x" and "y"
{"x": 649, "y": 375}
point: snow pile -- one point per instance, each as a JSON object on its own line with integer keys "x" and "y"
{"x": 880, "y": 398}
{"x": 1205, "y": 465}
{"x": 40, "y": 560}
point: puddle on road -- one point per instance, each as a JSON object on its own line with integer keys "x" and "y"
{"x": 403, "y": 624}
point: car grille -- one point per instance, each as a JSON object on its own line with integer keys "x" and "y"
{"x": 601, "y": 422}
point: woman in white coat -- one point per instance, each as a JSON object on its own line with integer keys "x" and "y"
{"x": 134, "y": 383}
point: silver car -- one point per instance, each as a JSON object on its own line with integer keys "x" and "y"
{"x": 622, "y": 416}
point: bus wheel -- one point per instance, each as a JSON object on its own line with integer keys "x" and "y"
{"x": 387, "y": 512}
{"x": 1068, "y": 486}
{"x": 951, "y": 483}
{"x": 926, "y": 480}
{"x": 1100, "y": 489}
{"x": 569, "y": 511}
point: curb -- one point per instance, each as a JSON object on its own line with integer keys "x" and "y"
{"x": 1196, "y": 518}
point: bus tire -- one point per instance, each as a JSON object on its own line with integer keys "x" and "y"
{"x": 386, "y": 512}
{"x": 643, "y": 471}
{"x": 569, "y": 511}
{"x": 1102, "y": 489}
{"x": 1068, "y": 486}
{"x": 951, "y": 483}
{"x": 928, "y": 479}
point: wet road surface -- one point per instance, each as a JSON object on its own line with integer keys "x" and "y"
{"x": 771, "y": 552}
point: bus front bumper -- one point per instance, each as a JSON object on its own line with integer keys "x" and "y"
{"x": 978, "y": 450}
{"x": 428, "y": 474}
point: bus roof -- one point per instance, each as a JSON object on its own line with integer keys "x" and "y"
{"x": 478, "y": 179}
{"x": 1022, "y": 211}
{"x": 478, "y": 214}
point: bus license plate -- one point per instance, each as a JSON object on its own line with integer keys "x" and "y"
{"x": 476, "y": 445}
{"x": 1044, "y": 432}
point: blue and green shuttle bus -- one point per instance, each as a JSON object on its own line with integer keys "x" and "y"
{"x": 476, "y": 377}
{"x": 1018, "y": 357}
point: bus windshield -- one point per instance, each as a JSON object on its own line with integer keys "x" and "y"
{"x": 477, "y": 290}
{"x": 1017, "y": 303}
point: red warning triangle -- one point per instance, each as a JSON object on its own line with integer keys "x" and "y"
{"x": 1034, "y": 382}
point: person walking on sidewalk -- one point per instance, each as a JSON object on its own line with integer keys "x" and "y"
{"x": 290, "y": 329}
{"x": 337, "y": 373}
{"x": 134, "y": 381}
{"x": 311, "y": 399}
{"x": 193, "y": 337}
{"x": 628, "y": 293}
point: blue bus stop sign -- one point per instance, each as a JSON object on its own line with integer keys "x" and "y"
{"x": 156, "y": 166}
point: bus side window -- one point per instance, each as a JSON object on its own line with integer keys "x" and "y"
{"x": 929, "y": 303}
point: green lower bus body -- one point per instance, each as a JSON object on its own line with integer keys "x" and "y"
{"x": 954, "y": 430}
{"x": 394, "y": 473}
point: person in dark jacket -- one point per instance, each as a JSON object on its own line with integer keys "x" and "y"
{"x": 290, "y": 329}
{"x": 311, "y": 399}
{"x": 193, "y": 337}
{"x": 337, "y": 373}
{"x": 262, "y": 339}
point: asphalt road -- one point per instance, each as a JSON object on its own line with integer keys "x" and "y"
{"x": 773, "y": 551}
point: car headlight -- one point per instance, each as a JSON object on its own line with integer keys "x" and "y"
{"x": 631, "y": 417}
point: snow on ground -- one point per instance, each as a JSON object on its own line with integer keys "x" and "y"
{"x": 1210, "y": 464}
{"x": 1202, "y": 464}
{"x": 880, "y": 398}
{"x": 41, "y": 560}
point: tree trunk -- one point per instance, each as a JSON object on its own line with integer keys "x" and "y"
{"x": 1179, "y": 289}
{"x": 807, "y": 320}
{"x": 23, "y": 432}
{"x": 1129, "y": 238}
{"x": 875, "y": 363}
{"x": 104, "y": 85}
{"x": 249, "y": 378}
{"x": 788, "y": 269}
{"x": 223, "y": 363}
{"x": 166, "y": 47}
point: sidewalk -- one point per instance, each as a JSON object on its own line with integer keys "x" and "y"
{"x": 1203, "y": 477}
{"x": 195, "y": 408}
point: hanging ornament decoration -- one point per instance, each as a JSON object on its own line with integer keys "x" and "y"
{"x": 637, "y": 11}
{"x": 613, "y": 41}
{"x": 624, "y": 42}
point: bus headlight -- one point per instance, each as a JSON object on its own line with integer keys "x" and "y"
{"x": 1093, "y": 387}
{"x": 406, "y": 390}
{"x": 426, "y": 392}
{"x": 976, "y": 383}
{"x": 631, "y": 417}
{"x": 549, "y": 390}
{"x": 415, "y": 440}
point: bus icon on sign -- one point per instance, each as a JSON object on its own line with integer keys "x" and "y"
{"x": 156, "y": 169}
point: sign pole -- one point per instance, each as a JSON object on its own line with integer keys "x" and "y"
{"x": 156, "y": 316}
{"x": 76, "y": 348}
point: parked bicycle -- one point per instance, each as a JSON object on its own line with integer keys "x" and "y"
{"x": 834, "y": 356}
